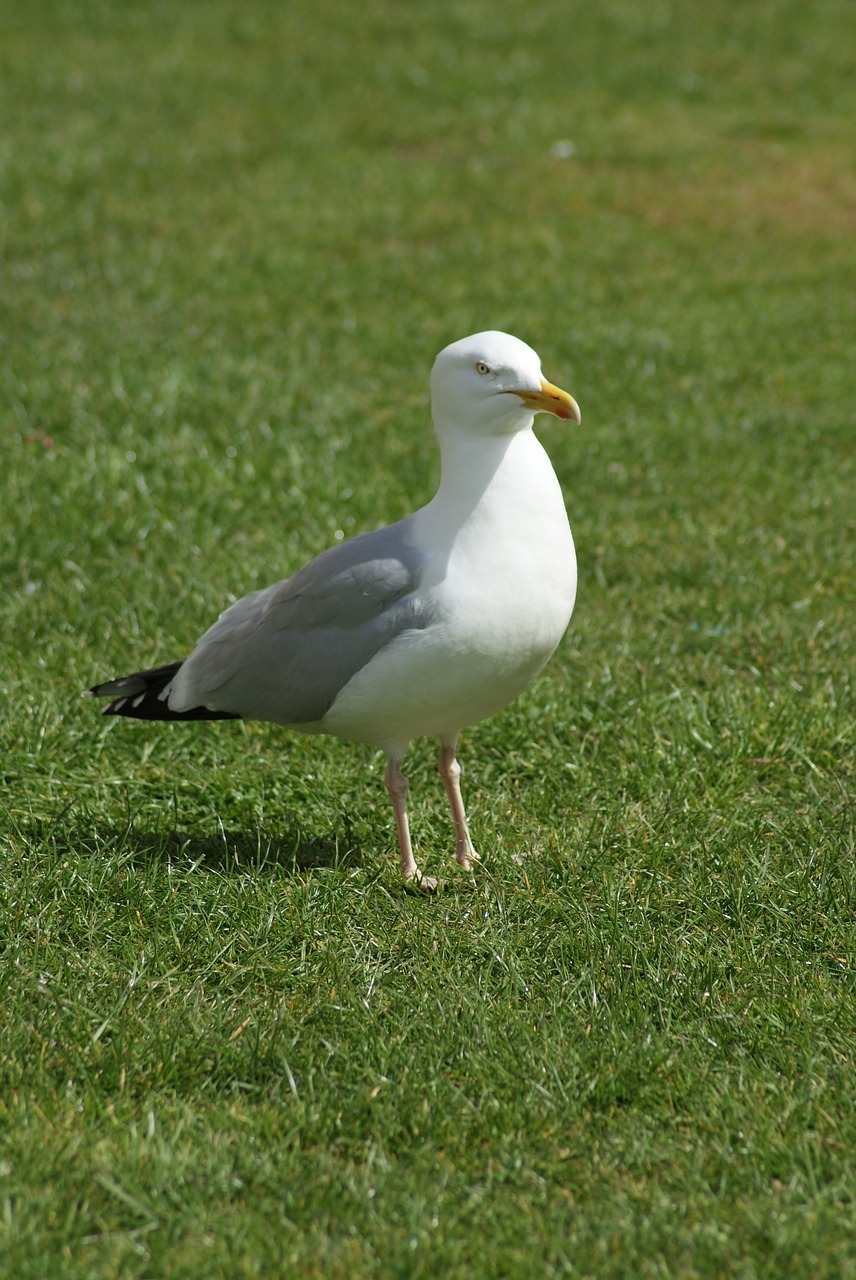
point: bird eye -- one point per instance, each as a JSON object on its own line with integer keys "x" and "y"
{"x": 482, "y": 368}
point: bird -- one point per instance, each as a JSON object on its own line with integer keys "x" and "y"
{"x": 421, "y": 628}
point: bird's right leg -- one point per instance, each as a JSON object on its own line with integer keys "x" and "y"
{"x": 450, "y": 772}
{"x": 398, "y": 786}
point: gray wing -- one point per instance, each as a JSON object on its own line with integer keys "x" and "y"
{"x": 285, "y": 652}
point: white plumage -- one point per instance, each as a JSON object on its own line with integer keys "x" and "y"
{"x": 421, "y": 628}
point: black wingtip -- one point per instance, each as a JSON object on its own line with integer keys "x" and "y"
{"x": 144, "y": 695}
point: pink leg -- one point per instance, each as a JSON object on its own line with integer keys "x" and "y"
{"x": 450, "y": 772}
{"x": 397, "y": 786}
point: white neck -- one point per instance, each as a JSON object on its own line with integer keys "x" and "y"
{"x": 501, "y": 482}
{"x": 470, "y": 465}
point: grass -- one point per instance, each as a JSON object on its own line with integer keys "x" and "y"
{"x": 234, "y": 237}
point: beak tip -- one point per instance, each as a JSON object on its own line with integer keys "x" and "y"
{"x": 560, "y": 403}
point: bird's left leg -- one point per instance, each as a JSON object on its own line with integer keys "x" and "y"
{"x": 450, "y": 772}
{"x": 398, "y": 786}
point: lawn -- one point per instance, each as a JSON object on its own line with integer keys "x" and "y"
{"x": 234, "y": 236}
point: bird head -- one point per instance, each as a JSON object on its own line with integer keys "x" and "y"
{"x": 491, "y": 384}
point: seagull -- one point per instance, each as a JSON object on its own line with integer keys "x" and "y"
{"x": 422, "y": 628}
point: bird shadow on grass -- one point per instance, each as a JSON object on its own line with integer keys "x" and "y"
{"x": 291, "y": 849}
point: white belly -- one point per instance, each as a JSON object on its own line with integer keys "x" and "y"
{"x": 499, "y": 631}
{"x": 499, "y": 583}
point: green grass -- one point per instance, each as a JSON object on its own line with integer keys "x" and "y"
{"x": 234, "y": 236}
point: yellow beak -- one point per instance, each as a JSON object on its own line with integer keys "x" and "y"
{"x": 551, "y": 399}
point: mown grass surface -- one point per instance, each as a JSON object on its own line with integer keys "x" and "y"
{"x": 235, "y": 235}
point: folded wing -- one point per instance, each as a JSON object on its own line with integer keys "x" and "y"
{"x": 284, "y": 653}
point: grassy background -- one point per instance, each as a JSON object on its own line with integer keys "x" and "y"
{"x": 234, "y": 237}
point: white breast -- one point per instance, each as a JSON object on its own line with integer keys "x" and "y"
{"x": 502, "y": 579}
